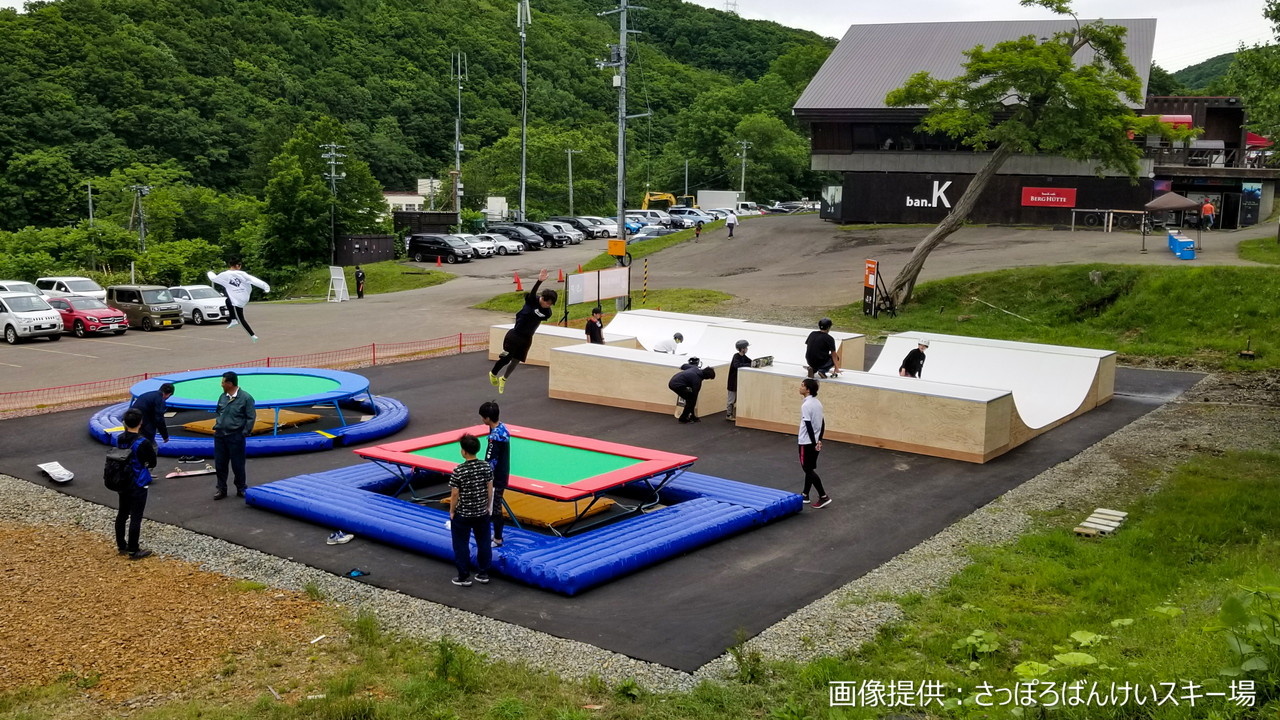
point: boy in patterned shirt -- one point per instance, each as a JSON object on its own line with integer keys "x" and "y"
{"x": 498, "y": 455}
{"x": 470, "y": 498}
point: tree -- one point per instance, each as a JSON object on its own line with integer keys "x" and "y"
{"x": 1252, "y": 76}
{"x": 1029, "y": 96}
{"x": 1161, "y": 82}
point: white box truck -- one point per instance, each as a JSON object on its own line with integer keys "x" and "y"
{"x": 718, "y": 199}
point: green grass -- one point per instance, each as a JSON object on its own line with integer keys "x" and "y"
{"x": 1263, "y": 250}
{"x": 1201, "y": 316}
{"x": 383, "y": 277}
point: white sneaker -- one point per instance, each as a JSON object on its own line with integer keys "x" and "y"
{"x": 233, "y": 323}
{"x": 255, "y": 338}
{"x": 339, "y": 538}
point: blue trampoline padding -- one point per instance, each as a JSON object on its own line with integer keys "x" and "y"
{"x": 349, "y": 498}
{"x": 390, "y": 417}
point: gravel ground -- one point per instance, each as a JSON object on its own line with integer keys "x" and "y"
{"x": 1223, "y": 412}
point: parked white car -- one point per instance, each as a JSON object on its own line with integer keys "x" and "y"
{"x": 19, "y": 286}
{"x": 504, "y": 245}
{"x": 483, "y": 246}
{"x": 576, "y": 236}
{"x": 609, "y": 226}
{"x": 692, "y": 216}
{"x": 200, "y": 303}
{"x": 63, "y": 286}
{"x": 23, "y": 315}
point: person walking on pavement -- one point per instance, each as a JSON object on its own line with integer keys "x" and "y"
{"x": 470, "y": 498}
{"x": 133, "y": 496}
{"x": 152, "y": 405}
{"x": 1207, "y": 211}
{"x": 518, "y": 340}
{"x": 812, "y": 426}
{"x": 239, "y": 287}
{"x": 913, "y": 363}
{"x": 231, "y": 428}
{"x": 595, "y": 326}
{"x": 739, "y": 359}
{"x": 697, "y": 231}
{"x": 359, "y": 283}
{"x": 731, "y": 222}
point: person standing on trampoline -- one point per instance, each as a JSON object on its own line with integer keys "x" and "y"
{"x": 498, "y": 455}
{"x": 470, "y": 497}
{"x": 239, "y": 286}
{"x": 812, "y": 426}
{"x": 516, "y": 344}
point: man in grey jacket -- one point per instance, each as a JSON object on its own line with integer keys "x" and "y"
{"x": 232, "y": 426}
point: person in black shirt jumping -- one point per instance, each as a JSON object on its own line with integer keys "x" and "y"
{"x": 516, "y": 344}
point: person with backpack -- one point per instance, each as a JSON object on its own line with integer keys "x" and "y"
{"x": 132, "y": 490}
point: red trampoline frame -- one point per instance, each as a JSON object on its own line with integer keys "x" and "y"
{"x": 653, "y": 462}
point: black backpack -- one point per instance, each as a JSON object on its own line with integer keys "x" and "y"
{"x": 117, "y": 472}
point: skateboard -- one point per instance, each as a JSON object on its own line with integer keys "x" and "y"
{"x": 179, "y": 472}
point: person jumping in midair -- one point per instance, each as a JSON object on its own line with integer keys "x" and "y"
{"x": 516, "y": 344}
{"x": 239, "y": 286}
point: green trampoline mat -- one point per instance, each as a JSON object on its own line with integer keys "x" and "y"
{"x": 263, "y": 388}
{"x": 548, "y": 462}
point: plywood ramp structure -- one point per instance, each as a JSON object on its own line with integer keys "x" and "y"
{"x": 650, "y": 326}
{"x": 627, "y": 378}
{"x": 951, "y": 421}
{"x": 1050, "y": 383}
{"x": 551, "y": 336}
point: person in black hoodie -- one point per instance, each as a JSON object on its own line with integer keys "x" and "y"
{"x": 153, "y": 405}
{"x": 133, "y": 498}
{"x": 687, "y": 384}
{"x": 731, "y": 384}
{"x": 516, "y": 344}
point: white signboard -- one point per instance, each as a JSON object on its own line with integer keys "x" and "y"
{"x": 337, "y": 285}
{"x": 598, "y": 285}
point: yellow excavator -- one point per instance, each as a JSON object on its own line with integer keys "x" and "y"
{"x": 671, "y": 200}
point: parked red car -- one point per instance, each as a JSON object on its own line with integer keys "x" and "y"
{"x": 83, "y": 315}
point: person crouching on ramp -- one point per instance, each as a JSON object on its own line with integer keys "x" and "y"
{"x": 239, "y": 286}
{"x": 518, "y": 340}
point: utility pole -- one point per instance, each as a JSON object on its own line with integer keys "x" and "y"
{"x": 618, "y": 59}
{"x": 333, "y": 159}
{"x": 460, "y": 75}
{"x": 90, "y": 183}
{"x": 686, "y": 178}
{"x": 139, "y": 192}
{"x": 570, "y": 153}
{"x": 742, "y": 187}
{"x": 523, "y": 20}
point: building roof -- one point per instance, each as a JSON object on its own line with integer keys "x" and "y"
{"x": 872, "y": 60}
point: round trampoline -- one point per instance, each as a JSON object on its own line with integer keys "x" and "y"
{"x": 299, "y": 410}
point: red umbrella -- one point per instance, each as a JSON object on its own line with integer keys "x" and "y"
{"x": 1254, "y": 140}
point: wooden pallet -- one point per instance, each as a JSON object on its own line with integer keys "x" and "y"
{"x": 1101, "y": 522}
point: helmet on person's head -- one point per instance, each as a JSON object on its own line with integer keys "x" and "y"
{"x": 824, "y": 324}
{"x": 695, "y": 361}
{"x": 678, "y": 337}
{"x": 742, "y": 344}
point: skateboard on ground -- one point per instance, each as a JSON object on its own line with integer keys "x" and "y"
{"x": 179, "y": 472}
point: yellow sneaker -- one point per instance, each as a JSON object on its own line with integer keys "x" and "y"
{"x": 502, "y": 385}
{"x": 493, "y": 379}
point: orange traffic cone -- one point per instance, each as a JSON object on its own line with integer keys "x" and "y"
{"x": 579, "y": 268}
{"x": 519, "y": 287}
{"x": 437, "y": 261}
{"x": 560, "y": 277}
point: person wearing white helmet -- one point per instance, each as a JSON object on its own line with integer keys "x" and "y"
{"x": 913, "y": 363}
{"x": 820, "y": 354}
{"x": 739, "y": 360}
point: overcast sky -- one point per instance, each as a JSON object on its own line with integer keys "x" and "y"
{"x": 1187, "y": 31}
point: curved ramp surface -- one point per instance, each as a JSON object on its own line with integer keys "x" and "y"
{"x": 1048, "y": 382}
